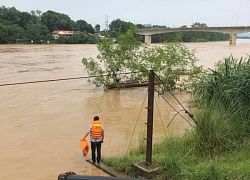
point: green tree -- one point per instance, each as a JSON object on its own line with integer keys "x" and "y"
{"x": 179, "y": 36}
{"x": 119, "y": 27}
{"x": 14, "y": 32}
{"x": 97, "y": 28}
{"x": 24, "y": 19}
{"x": 37, "y": 26}
{"x": 3, "y": 34}
{"x": 82, "y": 26}
{"x": 81, "y": 38}
{"x": 198, "y": 24}
{"x": 171, "y": 61}
{"x": 56, "y": 21}
{"x": 37, "y": 32}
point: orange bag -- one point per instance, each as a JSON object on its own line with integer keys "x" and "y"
{"x": 84, "y": 147}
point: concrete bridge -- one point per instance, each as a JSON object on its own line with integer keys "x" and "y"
{"x": 148, "y": 32}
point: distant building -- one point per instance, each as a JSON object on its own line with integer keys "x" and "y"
{"x": 57, "y": 33}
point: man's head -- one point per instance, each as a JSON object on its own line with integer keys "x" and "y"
{"x": 96, "y": 118}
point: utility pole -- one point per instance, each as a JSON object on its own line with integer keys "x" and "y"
{"x": 150, "y": 118}
{"x": 147, "y": 169}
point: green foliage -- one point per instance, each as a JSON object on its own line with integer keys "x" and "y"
{"x": 37, "y": 32}
{"x": 22, "y": 27}
{"x": 195, "y": 36}
{"x": 112, "y": 57}
{"x": 170, "y": 62}
{"x": 97, "y": 28}
{"x": 56, "y": 21}
{"x": 118, "y": 27}
{"x": 223, "y": 97}
{"x": 9, "y": 33}
{"x": 198, "y": 24}
{"x": 81, "y": 38}
{"x": 227, "y": 84}
{"x": 179, "y": 158}
{"x": 83, "y": 26}
{"x": 218, "y": 148}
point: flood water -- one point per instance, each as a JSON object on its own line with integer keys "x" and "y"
{"x": 41, "y": 124}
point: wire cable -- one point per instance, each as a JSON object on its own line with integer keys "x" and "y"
{"x": 177, "y": 111}
{"x": 62, "y": 79}
{"x": 190, "y": 115}
{"x": 161, "y": 118}
{"x": 136, "y": 123}
{"x": 174, "y": 117}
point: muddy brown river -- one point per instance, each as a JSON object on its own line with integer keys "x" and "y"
{"x": 41, "y": 124}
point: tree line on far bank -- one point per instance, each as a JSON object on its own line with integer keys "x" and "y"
{"x": 119, "y": 27}
{"x": 24, "y": 27}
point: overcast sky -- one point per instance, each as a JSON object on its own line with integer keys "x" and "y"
{"x": 163, "y": 12}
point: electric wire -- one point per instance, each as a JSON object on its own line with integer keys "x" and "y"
{"x": 174, "y": 117}
{"x": 190, "y": 115}
{"x": 161, "y": 118}
{"x": 62, "y": 79}
{"x": 136, "y": 124}
{"x": 177, "y": 111}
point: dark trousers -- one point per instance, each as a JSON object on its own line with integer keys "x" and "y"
{"x": 96, "y": 146}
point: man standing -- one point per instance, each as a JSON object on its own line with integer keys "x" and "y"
{"x": 117, "y": 76}
{"x": 96, "y": 132}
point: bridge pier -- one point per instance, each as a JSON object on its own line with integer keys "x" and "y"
{"x": 147, "y": 39}
{"x": 232, "y": 39}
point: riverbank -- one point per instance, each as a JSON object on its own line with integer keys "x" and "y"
{"x": 218, "y": 147}
{"x": 187, "y": 157}
{"x": 178, "y": 159}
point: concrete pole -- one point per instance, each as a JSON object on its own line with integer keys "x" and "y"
{"x": 147, "y": 39}
{"x": 232, "y": 38}
{"x": 150, "y": 118}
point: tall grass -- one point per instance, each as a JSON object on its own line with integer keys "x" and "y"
{"x": 219, "y": 147}
{"x": 224, "y": 97}
{"x": 228, "y": 84}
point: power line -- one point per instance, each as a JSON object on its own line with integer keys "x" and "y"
{"x": 178, "y": 112}
{"x": 190, "y": 115}
{"x": 136, "y": 124}
{"x": 174, "y": 117}
{"x": 62, "y": 79}
{"x": 161, "y": 118}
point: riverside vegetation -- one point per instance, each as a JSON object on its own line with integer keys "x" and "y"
{"x": 173, "y": 62}
{"x": 22, "y": 27}
{"x": 218, "y": 147}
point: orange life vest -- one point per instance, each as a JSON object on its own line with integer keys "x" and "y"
{"x": 84, "y": 147}
{"x": 96, "y": 130}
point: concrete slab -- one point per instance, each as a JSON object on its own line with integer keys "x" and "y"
{"x": 146, "y": 170}
{"x": 107, "y": 169}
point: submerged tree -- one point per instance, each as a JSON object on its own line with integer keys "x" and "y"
{"x": 170, "y": 61}
{"x": 112, "y": 57}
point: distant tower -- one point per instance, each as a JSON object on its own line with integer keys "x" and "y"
{"x": 106, "y": 23}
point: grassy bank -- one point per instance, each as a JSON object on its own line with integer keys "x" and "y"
{"x": 219, "y": 146}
